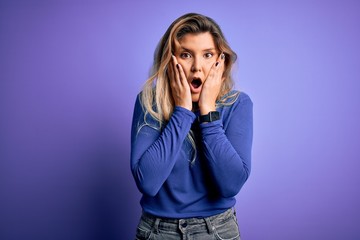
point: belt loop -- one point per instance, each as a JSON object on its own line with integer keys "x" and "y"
{"x": 209, "y": 225}
{"x": 156, "y": 225}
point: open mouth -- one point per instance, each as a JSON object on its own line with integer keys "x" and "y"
{"x": 196, "y": 83}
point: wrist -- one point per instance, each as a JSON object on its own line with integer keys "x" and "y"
{"x": 206, "y": 109}
{"x": 183, "y": 105}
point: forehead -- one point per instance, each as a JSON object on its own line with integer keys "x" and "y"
{"x": 199, "y": 41}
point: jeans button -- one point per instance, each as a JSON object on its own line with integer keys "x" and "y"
{"x": 184, "y": 225}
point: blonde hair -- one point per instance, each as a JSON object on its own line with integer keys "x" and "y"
{"x": 156, "y": 96}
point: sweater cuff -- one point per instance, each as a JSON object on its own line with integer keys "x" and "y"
{"x": 184, "y": 111}
{"x": 211, "y": 127}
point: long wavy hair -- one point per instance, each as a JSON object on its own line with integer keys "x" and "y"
{"x": 156, "y": 96}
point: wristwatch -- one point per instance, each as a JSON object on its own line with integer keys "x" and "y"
{"x": 211, "y": 116}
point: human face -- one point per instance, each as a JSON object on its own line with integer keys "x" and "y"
{"x": 196, "y": 54}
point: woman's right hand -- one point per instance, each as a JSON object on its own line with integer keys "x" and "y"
{"x": 179, "y": 85}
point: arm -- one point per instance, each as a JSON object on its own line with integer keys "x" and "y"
{"x": 154, "y": 152}
{"x": 229, "y": 153}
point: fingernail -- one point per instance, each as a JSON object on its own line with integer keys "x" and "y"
{"x": 177, "y": 66}
{"x": 222, "y": 56}
{"x": 216, "y": 64}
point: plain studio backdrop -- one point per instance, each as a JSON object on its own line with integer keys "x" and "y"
{"x": 69, "y": 75}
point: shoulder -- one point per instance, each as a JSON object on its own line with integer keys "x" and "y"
{"x": 142, "y": 115}
{"x": 244, "y": 99}
{"x": 237, "y": 107}
{"x": 138, "y": 104}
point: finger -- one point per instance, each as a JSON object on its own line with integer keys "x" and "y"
{"x": 183, "y": 79}
{"x": 176, "y": 69}
{"x": 222, "y": 68}
{"x": 223, "y": 65}
{"x": 171, "y": 75}
{"x": 216, "y": 71}
{"x": 222, "y": 57}
{"x": 220, "y": 64}
{"x": 170, "y": 71}
{"x": 180, "y": 74}
{"x": 220, "y": 60}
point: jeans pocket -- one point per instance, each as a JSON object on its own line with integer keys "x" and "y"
{"x": 143, "y": 231}
{"x": 227, "y": 230}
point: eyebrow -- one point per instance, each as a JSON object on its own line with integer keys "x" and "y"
{"x": 205, "y": 50}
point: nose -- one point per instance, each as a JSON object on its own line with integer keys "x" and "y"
{"x": 196, "y": 65}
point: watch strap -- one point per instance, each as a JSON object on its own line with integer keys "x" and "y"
{"x": 210, "y": 117}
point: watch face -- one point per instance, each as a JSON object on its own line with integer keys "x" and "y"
{"x": 211, "y": 116}
{"x": 214, "y": 116}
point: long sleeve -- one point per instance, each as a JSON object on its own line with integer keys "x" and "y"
{"x": 154, "y": 151}
{"x": 228, "y": 152}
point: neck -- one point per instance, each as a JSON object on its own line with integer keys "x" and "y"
{"x": 195, "y": 106}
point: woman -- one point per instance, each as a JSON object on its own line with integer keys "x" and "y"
{"x": 191, "y": 136}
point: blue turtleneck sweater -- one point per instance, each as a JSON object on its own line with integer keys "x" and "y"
{"x": 179, "y": 181}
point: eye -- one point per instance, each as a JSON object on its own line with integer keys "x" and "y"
{"x": 185, "y": 55}
{"x": 208, "y": 55}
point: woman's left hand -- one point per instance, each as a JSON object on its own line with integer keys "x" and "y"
{"x": 212, "y": 86}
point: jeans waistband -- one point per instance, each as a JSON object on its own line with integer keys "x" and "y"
{"x": 151, "y": 219}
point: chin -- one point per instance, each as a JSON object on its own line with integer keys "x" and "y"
{"x": 195, "y": 97}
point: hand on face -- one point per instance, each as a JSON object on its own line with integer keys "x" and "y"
{"x": 179, "y": 85}
{"x": 212, "y": 86}
{"x": 210, "y": 89}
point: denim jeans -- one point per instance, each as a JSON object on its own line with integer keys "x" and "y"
{"x": 218, "y": 227}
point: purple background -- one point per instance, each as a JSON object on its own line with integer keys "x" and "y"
{"x": 69, "y": 75}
